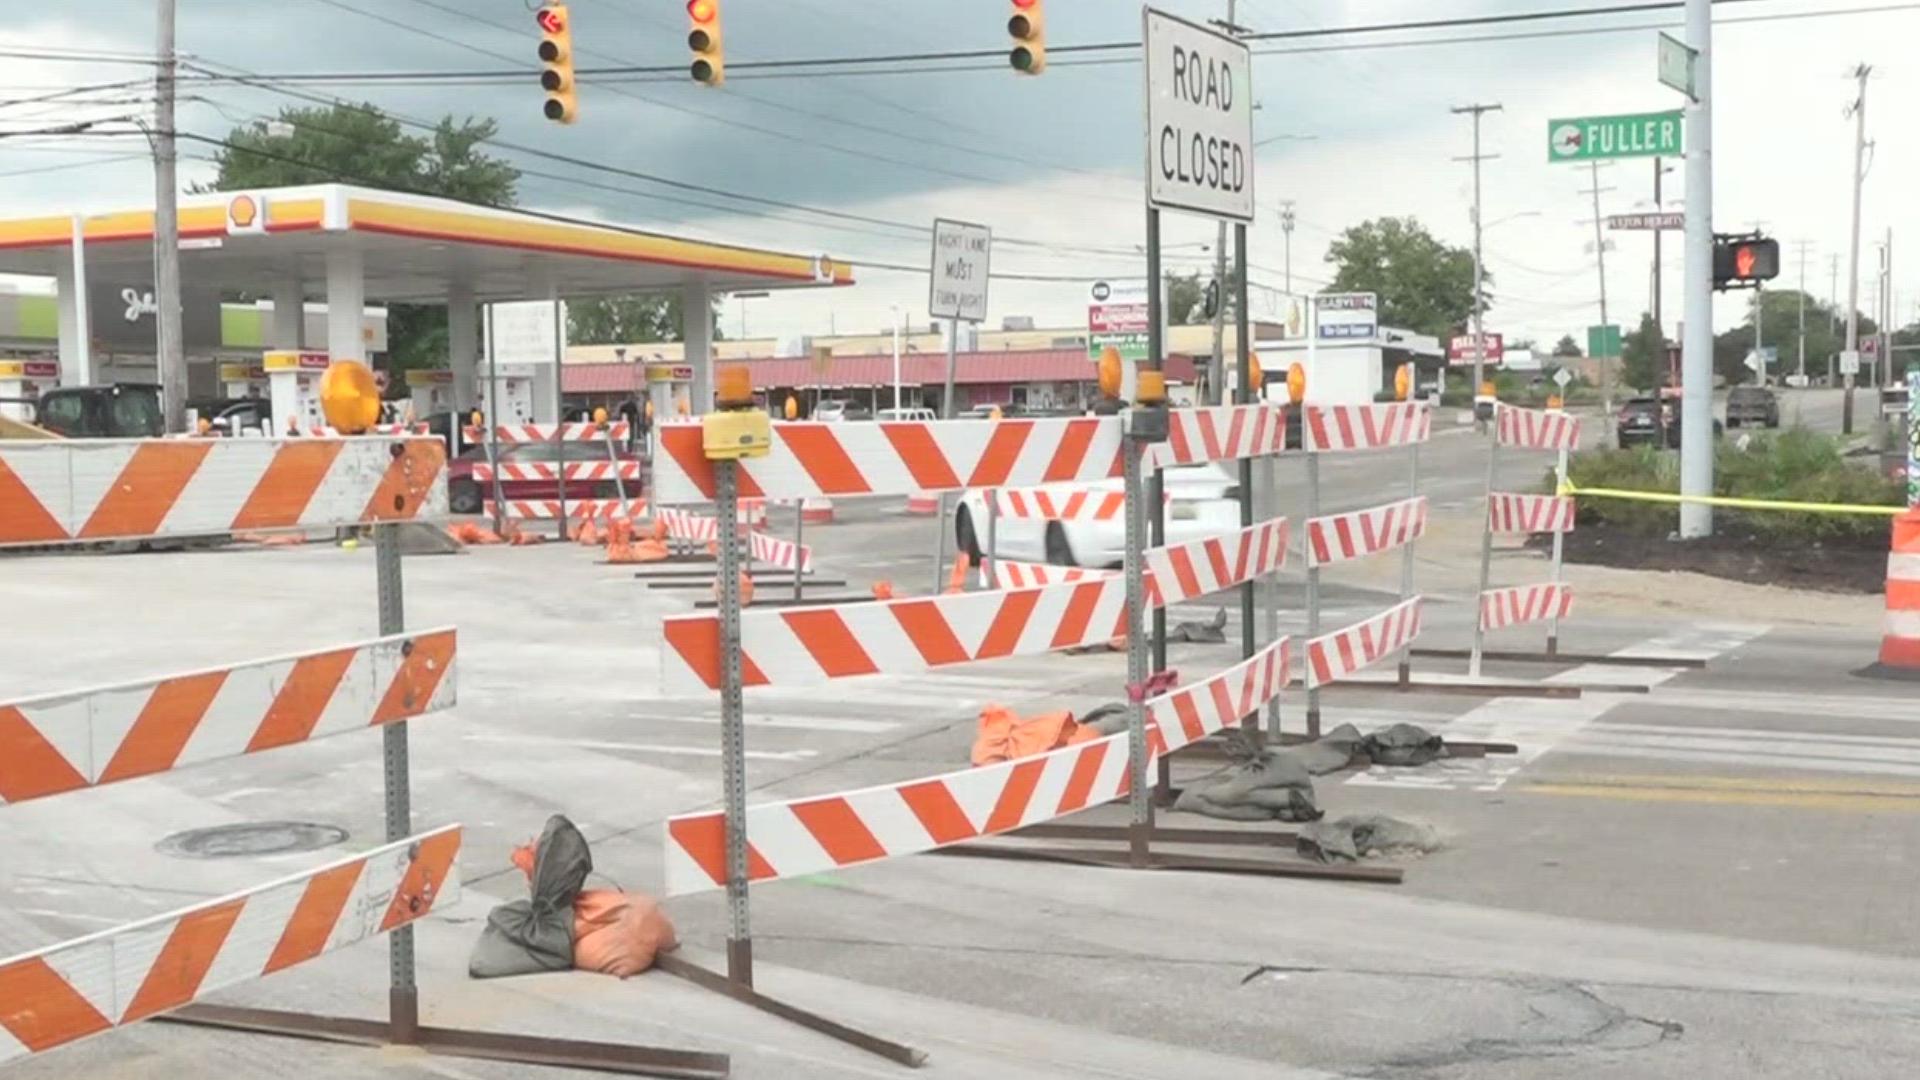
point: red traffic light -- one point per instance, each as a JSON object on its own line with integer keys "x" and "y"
{"x": 1024, "y": 4}
{"x": 700, "y": 11}
{"x": 550, "y": 21}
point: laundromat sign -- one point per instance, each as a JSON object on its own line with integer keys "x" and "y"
{"x": 1199, "y": 119}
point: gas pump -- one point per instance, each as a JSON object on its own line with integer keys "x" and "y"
{"x": 516, "y": 393}
{"x": 21, "y": 384}
{"x": 240, "y": 380}
{"x": 670, "y": 389}
{"x": 431, "y": 392}
{"x": 293, "y": 383}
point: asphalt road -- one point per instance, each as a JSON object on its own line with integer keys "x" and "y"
{"x": 1690, "y": 872}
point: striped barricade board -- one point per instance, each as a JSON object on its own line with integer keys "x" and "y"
{"x": 617, "y": 430}
{"x": 807, "y": 646}
{"x": 1508, "y": 512}
{"x": 1332, "y": 657}
{"x": 1337, "y": 538}
{"x": 64, "y": 993}
{"x": 71, "y": 490}
{"x": 1190, "y": 713}
{"x": 551, "y": 471}
{"x": 1501, "y": 608}
{"x": 1196, "y": 436}
{"x": 1536, "y": 429}
{"x": 1332, "y": 428}
{"x": 64, "y": 742}
{"x": 577, "y": 509}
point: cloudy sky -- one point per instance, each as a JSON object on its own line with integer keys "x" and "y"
{"x": 1355, "y": 126}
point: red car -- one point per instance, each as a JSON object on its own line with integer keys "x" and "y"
{"x": 531, "y": 471}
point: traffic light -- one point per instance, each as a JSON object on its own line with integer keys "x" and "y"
{"x": 703, "y": 37}
{"x": 556, "y": 52}
{"x": 1744, "y": 261}
{"x": 1028, "y": 28}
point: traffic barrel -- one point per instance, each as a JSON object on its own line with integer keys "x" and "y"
{"x": 1900, "y": 631}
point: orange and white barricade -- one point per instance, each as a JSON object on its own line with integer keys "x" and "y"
{"x": 1357, "y": 534}
{"x": 625, "y": 475}
{"x": 85, "y": 490}
{"x": 734, "y": 649}
{"x": 1516, "y": 513}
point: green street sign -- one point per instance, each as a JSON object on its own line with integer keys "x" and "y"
{"x": 1603, "y": 341}
{"x": 1598, "y": 138}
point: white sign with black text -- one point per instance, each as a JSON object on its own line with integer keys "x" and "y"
{"x": 960, "y": 258}
{"x": 1199, "y": 119}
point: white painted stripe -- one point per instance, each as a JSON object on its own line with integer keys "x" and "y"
{"x": 781, "y": 720}
{"x": 638, "y": 748}
{"x": 1903, "y": 566}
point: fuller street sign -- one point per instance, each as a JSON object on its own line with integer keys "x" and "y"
{"x": 1597, "y": 138}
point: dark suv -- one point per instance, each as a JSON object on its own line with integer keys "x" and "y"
{"x": 1752, "y": 405}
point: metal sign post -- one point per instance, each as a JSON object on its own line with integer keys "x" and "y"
{"x": 1140, "y": 826}
{"x": 1243, "y": 395}
{"x": 403, "y": 995}
{"x": 733, "y": 734}
{"x": 1313, "y": 591}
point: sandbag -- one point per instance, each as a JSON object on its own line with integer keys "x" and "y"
{"x": 1211, "y": 632}
{"x": 1403, "y": 744}
{"x": 1262, "y": 785}
{"x": 1357, "y": 836}
{"x": 618, "y": 933}
{"x": 1003, "y": 735}
{"x": 1328, "y": 754}
{"x": 524, "y": 937}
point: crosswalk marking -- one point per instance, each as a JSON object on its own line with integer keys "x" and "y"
{"x": 640, "y": 748}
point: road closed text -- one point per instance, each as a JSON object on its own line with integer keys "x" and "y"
{"x": 1190, "y": 156}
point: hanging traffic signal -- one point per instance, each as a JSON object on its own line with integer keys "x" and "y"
{"x": 1744, "y": 261}
{"x": 1028, "y": 28}
{"x": 556, "y": 52}
{"x": 703, "y": 37}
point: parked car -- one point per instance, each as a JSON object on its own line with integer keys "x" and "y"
{"x": 836, "y": 411}
{"x": 1639, "y": 422}
{"x": 1753, "y": 405}
{"x": 913, "y": 414}
{"x": 1202, "y": 501}
{"x": 466, "y": 495}
{"x": 117, "y": 411}
{"x": 239, "y": 416}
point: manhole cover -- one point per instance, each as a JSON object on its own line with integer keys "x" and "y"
{"x": 252, "y": 839}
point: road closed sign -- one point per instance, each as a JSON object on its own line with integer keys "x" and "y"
{"x": 1199, "y": 119}
{"x": 959, "y": 271}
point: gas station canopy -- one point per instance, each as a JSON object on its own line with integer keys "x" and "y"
{"x": 411, "y": 248}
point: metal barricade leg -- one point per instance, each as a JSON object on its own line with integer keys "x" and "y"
{"x": 1406, "y": 559}
{"x": 1313, "y": 591}
{"x": 403, "y": 996}
{"x": 940, "y": 546}
{"x": 733, "y": 757}
{"x": 799, "y": 534}
{"x": 1559, "y": 548}
{"x": 1137, "y": 795}
{"x": 1486, "y": 555}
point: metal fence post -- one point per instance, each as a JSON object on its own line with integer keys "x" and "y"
{"x": 1406, "y": 559}
{"x": 733, "y": 756}
{"x": 403, "y": 996}
{"x": 1137, "y": 795}
{"x": 1486, "y": 547}
{"x": 1559, "y": 545}
{"x": 1313, "y": 589}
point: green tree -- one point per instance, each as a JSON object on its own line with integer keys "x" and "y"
{"x": 1424, "y": 285}
{"x": 358, "y": 144}
{"x": 1641, "y": 353}
{"x": 1780, "y": 327}
{"x": 635, "y": 319}
{"x": 1566, "y": 346}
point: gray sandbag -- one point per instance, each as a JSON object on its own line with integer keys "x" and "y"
{"x": 1108, "y": 719}
{"x": 1403, "y": 744}
{"x": 1259, "y": 785}
{"x": 525, "y": 937}
{"x": 1328, "y": 754}
{"x": 1358, "y": 836}
{"x": 1211, "y": 632}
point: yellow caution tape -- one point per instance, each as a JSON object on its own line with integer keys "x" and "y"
{"x": 1567, "y": 488}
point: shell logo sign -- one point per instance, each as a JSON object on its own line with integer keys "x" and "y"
{"x": 245, "y": 215}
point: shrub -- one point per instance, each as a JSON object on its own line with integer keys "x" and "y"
{"x": 1796, "y": 465}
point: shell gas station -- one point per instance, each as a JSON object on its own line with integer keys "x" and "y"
{"x": 345, "y": 247}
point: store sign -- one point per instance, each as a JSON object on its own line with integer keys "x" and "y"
{"x": 1460, "y": 349}
{"x": 1346, "y": 316}
{"x": 1117, "y": 316}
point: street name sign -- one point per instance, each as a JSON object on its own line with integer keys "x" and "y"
{"x": 1647, "y": 221}
{"x": 1199, "y": 119}
{"x": 960, "y": 257}
{"x": 1674, "y": 64}
{"x": 1600, "y": 138}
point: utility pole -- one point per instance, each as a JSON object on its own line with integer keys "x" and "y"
{"x": 1600, "y": 252}
{"x": 1803, "y": 312}
{"x": 1286, "y": 232}
{"x": 1479, "y": 299}
{"x": 170, "y": 349}
{"x": 1696, "y": 358}
{"x": 1859, "y": 111}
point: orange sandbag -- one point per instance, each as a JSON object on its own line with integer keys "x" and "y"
{"x": 468, "y": 532}
{"x": 587, "y": 534}
{"x": 618, "y": 933}
{"x": 746, "y": 588}
{"x": 883, "y": 590}
{"x": 659, "y": 529}
{"x": 1003, "y": 736}
{"x": 957, "y": 580}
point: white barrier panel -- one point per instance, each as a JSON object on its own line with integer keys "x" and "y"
{"x": 1329, "y": 428}
{"x": 1512, "y": 513}
{"x": 1536, "y": 429}
{"x": 1336, "y": 538}
{"x": 65, "y": 993}
{"x": 64, "y": 742}
{"x": 113, "y": 489}
{"x": 1500, "y": 608}
{"x": 1332, "y": 657}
